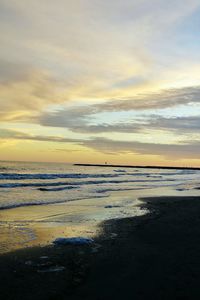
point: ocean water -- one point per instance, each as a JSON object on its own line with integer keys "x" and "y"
{"x": 40, "y": 202}
{"x": 23, "y": 184}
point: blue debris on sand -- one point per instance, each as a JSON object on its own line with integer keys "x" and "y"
{"x": 73, "y": 241}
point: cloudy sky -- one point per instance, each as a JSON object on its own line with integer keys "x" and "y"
{"x": 97, "y": 80}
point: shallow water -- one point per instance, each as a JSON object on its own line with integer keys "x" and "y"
{"x": 40, "y": 202}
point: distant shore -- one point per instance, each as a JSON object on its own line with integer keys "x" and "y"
{"x": 138, "y": 167}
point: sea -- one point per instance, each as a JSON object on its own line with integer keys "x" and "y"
{"x": 35, "y": 197}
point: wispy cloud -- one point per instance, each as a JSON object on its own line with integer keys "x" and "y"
{"x": 91, "y": 49}
{"x": 67, "y": 67}
{"x": 172, "y": 151}
{"x": 189, "y": 149}
{"x": 83, "y": 119}
{"x": 159, "y": 100}
{"x": 13, "y": 134}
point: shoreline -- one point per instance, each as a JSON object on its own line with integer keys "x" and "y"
{"x": 72, "y": 218}
{"x": 154, "y": 256}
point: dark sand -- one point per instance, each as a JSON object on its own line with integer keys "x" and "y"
{"x": 156, "y": 256}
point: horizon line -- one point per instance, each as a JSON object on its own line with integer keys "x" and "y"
{"x": 107, "y": 165}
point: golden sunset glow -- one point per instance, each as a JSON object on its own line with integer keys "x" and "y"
{"x": 94, "y": 81}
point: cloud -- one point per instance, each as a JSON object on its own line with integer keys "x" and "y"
{"x": 79, "y": 119}
{"x": 84, "y": 119}
{"x": 172, "y": 151}
{"x": 12, "y": 134}
{"x": 189, "y": 149}
{"x": 25, "y": 91}
{"x": 181, "y": 125}
{"x": 76, "y": 50}
{"x": 100, "y": 58}
{"x": 11, "y": 72}
{"x": 159, "y": 100}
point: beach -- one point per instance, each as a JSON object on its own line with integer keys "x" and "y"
{"x": 139, "y": 227}
{"x": 154, "y": 256}
{"x": 40, "y": 202}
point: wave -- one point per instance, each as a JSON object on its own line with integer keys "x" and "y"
{"x": 18, "y": 176}
{"x": 34, "y": 203}
{"x": 152, "y": 174}
{"x": 101, "y": 193}
{"x": 51, "y": 176}
{"x": 57, "y": 189}
{"x": 17, "y": 185}
{"x": 76, "y": 183}
{"x": 121, "y": 189}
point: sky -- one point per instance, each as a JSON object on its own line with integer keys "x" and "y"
{"x": 95, "y": 81}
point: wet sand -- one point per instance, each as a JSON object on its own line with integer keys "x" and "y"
{"x": 39, "y": 225}
{"x": 155, "y": 256}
